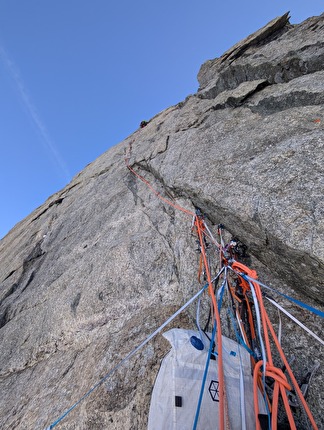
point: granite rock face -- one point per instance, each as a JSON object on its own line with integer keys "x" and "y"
{"x": 97, "y": 268}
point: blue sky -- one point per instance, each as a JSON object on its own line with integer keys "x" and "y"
{"x": 78, "y": 76}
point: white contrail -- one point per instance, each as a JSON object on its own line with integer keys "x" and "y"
{"x": 32, "y": 111}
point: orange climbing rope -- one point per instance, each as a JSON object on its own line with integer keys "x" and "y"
{"x": 199, "y": 224}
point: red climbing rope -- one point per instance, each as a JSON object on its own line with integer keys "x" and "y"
{"x": 147, "y": 183}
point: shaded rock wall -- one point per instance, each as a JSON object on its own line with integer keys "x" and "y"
{"x": 89, "y": 274}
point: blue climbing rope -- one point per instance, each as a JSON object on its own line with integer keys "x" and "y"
{"x": 238, "y": 336}
{"x": 211, "y": 345}
{"x": 203, "y": 383}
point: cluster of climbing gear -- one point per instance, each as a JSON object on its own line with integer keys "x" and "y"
{"x": 229, "y": 282}
{"x": 253, "y": 329}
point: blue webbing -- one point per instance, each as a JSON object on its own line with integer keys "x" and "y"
{"x": 297, "y": 302}
{"x": 222, "y": 290}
